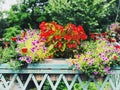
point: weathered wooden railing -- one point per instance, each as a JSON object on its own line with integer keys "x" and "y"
{"x": 53, "y": 71}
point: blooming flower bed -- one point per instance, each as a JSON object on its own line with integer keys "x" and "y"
{"x": 34, "y": 46}
{"x": 98, "y": 58}
{"x": 66, "y": 38}
{"x": 94, "y": 58}
{"x": 31, "y": 47}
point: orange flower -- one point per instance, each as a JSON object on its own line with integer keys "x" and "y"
{"x": 115, "y": 57}
{"x": 23, "y": 34}
{"x": 24, "y": 50}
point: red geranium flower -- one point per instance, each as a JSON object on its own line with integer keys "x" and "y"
{"x": 117, "y": 46}
{"x": 59, "y": 44}
{"x": 92, "y": 35}
{"x": 112, "y": 40}
{"x": 69, "y": 45}
{"x": 104, "y": 33}
{"x": 66, "y": 37}
{"x": 13, "y": 38}
{"x": 57, "y": 37}
{"x": 80, "y": 29}
{"x": 42, "y": 26}
{"x": 24, "y": 50}
{"x": 83, "y": 36}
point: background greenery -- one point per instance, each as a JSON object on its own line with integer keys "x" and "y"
{"x": 94, "y": 15}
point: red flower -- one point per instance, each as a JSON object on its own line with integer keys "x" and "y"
{"x": 24, "y": 50}
{"x": 84, "y": 36}
{"x": 42, "y": 26}
{"x": 74, "y": 45}
{"x": 69, "y": 45}
{"x": 74, "y": 37}
{"x": 97, "y": 34}
{"x": 115, "y": 57}
{"x": 13, "y": 38}
{"x": 53, "y": 32}
{"x": 92, "y": 35}
{"x": 112, "y": 40}
{"x": 107, "y": 39}
{"x": 117, "y": 46}
{"x": 104, "y": 34}
{"x": 80, "y": 29}
{"x": 59, "y": 44}
{"x": 66, "y": 37}
{"x": 57, "y": 37}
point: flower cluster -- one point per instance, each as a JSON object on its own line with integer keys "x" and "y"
{"x": 31, "y": 48}
{"x": 64, "y": 37}
{"x": 114, "y": 31}
{"x": 98, "y": 58}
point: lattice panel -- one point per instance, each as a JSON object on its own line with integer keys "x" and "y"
{"x": 6, "y": 84}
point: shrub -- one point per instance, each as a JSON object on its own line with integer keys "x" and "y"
{"x": 92, "y": 14}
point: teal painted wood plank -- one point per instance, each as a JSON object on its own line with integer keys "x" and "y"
{"x": 40, "y": 66}
{"x": 40, "y": 71}
{"x": 116, "y": 68}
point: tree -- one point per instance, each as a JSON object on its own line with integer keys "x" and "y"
{"x": 94, "y": 15}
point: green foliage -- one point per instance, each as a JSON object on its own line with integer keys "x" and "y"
{"x": 11, "y": 32}
{"x": 92, "y": 86}
{"x": 4, "y": 55}
{"x": 10, "y": 56}
{"x": 89, "y": 13}
{"x": 76, "y": 86}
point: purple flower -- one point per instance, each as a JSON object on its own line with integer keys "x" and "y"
{"x": 104, "y": 58}
{"x": 95, "y": 73}
{"x": 19, "y": 54}
{"x": 32, "y": 49}
{"x": 109, "y": 44}
{"x": 107, "y": 70}
{"x": 76, "y": 65}
{"x": 119, "y": 53}
{"x": 33, "y": 43}
{"x": 78, "y": 68}
{"x": 20, "y": 58}
{"x": 112, "y": 26}
{"x": 38, "y": 41}
{"x": 85, "y": 59}
{"x": 78, "y": 56}
{"x": 90, "y": 63}
{"x": 28, "y": 60}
